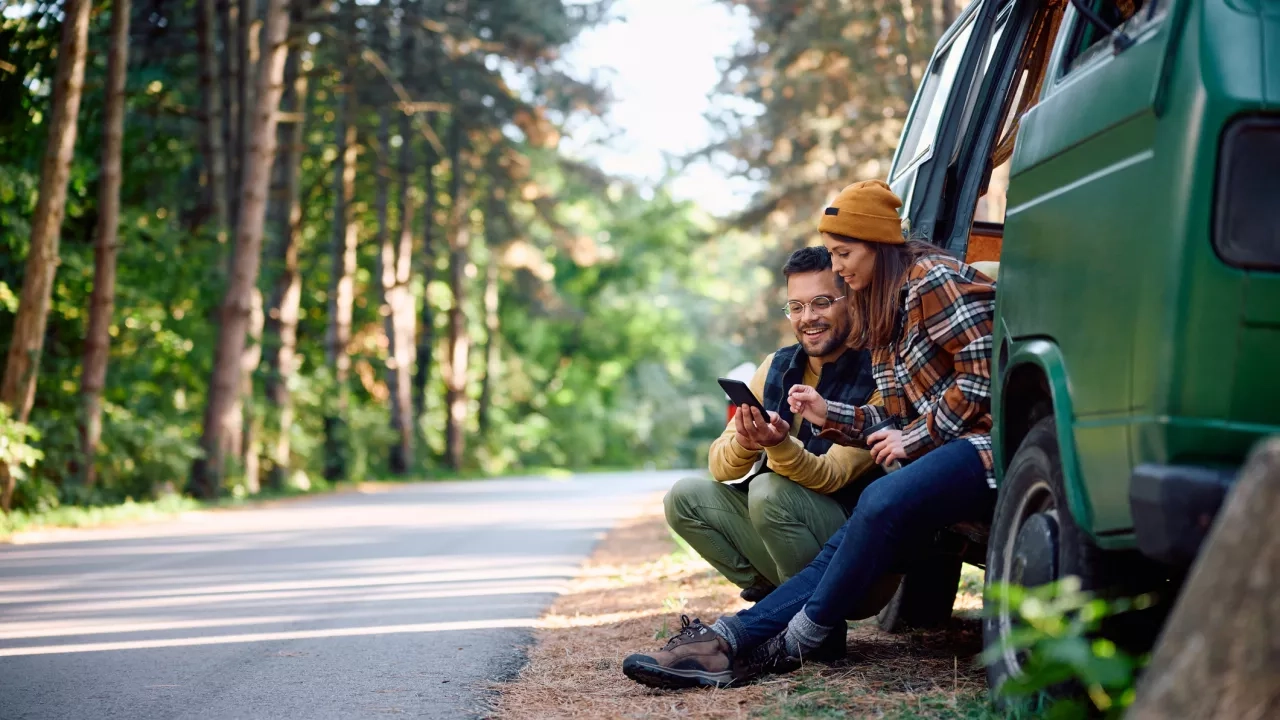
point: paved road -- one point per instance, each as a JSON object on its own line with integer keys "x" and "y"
{"x": 407, "y": 601}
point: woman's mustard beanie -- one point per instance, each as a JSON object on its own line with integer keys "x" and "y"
{"x": 866, "y": 210}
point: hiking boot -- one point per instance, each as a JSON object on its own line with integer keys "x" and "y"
{"x": 771, "y": 658}
{"x": 695, "y": 657}
{"x": 757, "y": 591}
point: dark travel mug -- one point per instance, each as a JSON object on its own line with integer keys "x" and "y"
{"x": 890, "y": 422}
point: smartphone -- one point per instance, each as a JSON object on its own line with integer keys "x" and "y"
{"x": 740, "y": 394}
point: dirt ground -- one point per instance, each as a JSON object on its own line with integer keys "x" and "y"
{"x": 630, "y": 597}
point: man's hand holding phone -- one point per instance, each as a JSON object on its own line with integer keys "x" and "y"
{"x": 755, "y": 428}
{"x": 755, "y": 432}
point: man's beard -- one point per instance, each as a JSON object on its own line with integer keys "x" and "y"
{"x": 826, "y": 344}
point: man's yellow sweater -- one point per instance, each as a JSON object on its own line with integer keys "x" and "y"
{"x": 824, "y": 474}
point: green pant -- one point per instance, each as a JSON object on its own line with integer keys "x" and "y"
{"x": 771, "y": 531}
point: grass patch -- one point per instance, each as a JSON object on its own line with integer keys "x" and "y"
{"x": 809, "y": 697}
{"x": 73, "y": 516}
{"x": 825, "y": 694}
{"x": 967, "y": 706}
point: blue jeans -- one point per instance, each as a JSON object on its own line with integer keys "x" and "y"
{"x": 944, "y": 487}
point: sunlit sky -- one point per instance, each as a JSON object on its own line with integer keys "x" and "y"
{"x": 660, "y": 57}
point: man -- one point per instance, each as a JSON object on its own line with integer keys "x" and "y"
{"x": 763, "y": 530}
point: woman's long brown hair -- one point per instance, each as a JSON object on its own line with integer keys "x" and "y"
{"x": 874, "y": 311}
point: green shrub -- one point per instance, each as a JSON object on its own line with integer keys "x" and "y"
{"x": 1057, "y": 631}
{"x": 17, "y": 454}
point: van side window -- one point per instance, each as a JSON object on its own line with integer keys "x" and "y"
{"x": 1089, "y": 42}
{"x": 992, "y": 44}
{"x": 933, "y": 100}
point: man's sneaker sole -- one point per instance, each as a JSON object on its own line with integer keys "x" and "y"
{"x": 644, "y": 670}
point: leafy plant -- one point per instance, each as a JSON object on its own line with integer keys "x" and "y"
{"x": 1056, "y": 631}
{"x": 16, "y": 450}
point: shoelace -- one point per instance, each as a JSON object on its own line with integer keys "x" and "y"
{"x": 687, "y": 630}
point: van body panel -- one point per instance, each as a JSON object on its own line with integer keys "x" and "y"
{"x": 1046, "y": 357}
{"x": 1207, "y": 383}
{"x": 1109, "y": 247}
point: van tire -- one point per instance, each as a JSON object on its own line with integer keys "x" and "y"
{"x": 925, "y": 596}
{"x": 1032, "y": 502}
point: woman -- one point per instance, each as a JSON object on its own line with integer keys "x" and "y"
{"x": 927, "y": 320}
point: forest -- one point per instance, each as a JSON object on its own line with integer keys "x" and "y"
{"x": 253, "y": 246}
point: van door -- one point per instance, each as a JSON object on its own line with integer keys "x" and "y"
{"x": 1077, "y": 210}
{"x": 929, "y": 134}
{"x": 1013, "y": 69}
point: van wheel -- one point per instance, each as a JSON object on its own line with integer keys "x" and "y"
{"x": 1034, "y": 540}
{"x": 925, "y": 596}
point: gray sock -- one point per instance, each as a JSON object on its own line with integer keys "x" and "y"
{"x": 803, "y": 635}
{"x": 721, "y": 628}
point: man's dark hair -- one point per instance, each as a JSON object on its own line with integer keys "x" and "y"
{"x": 810, "y": 259}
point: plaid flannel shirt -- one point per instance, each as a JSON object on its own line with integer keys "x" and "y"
{"x": 936, "y": 374}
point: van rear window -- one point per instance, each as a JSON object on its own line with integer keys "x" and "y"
{"x": 1245, "y": 231}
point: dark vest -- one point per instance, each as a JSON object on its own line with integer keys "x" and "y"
{"x": 847, "y": 380}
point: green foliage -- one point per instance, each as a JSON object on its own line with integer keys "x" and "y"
{"x": 145, "y": 453}
{"x": 16, "y": 451}
{"x": 618, "y": 349}
{"x": 1057, "y": 635}
{"x": 818, "y": 97}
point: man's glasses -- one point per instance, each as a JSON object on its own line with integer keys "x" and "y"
{"x": 820, "y": 303}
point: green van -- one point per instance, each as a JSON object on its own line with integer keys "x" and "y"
{"x": 1120, "y": 161}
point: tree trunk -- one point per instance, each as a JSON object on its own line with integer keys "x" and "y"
{"x": 237, "y": 308}
{"x": 101, "y": 303}
{"x": 231, "y": 91}
{"x": 249, "y": 53}
{"x": 18, "y": 388}
{"x": 245, "y": 431}
{"x": 212, "y": 141}
{"x": 459, "y": 340}
{"x": 341, "y": 282}
{"x": 491, "y": 348}
{"x": 397, "y": 271}
{"x": 282, "y": 320}
{"x": 250, "y": 423}
{"x": 403, "y": 315}
{"x": 1219, "y": 654}
{"x": 426, "y": 325}
{"x": 386, "y": 268}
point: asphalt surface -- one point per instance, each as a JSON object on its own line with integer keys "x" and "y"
{"x": 410, "y": 601}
